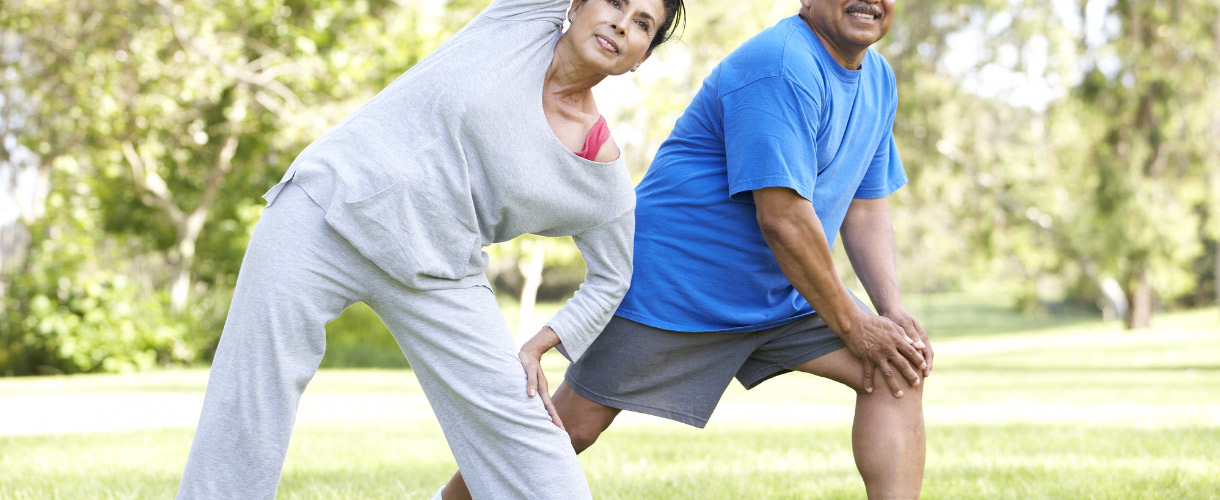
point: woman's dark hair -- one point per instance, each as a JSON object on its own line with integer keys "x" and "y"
{"x": 675, "y": 13}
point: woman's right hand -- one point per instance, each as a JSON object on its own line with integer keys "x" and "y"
{"x": 535, "y": 380}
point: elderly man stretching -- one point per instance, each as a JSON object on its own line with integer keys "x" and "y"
{"x": 787, "y": 145}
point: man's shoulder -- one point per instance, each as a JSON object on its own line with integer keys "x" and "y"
{"x": 884, "y": 74}
{"x": 779, "y": 52}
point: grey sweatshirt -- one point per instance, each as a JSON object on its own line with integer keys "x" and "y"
{"x": 457, "y": 154}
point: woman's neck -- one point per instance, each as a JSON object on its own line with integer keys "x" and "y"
{"x": 568, "y": 82}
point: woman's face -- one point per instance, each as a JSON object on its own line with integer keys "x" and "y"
{"x": 614, "y": 34}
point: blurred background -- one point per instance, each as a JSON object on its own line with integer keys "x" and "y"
{"x": 1062, "y": 215}
{"x": 1062, "y": 156}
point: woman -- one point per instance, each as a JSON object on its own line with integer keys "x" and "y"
{"x": 476, "y": 144}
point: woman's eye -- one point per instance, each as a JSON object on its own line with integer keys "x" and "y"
{"x": 643, "y": 25}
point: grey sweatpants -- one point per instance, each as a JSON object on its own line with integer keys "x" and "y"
{"x": 297, "y": 275}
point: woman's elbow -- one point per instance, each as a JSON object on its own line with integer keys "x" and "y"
{"x": 622, "y": 284}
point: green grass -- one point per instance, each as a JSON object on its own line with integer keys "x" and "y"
{"x": 1074, "y": 410}
{"x": 948, "y": 315}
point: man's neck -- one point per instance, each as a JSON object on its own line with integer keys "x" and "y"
{"x": 849, "y": 56}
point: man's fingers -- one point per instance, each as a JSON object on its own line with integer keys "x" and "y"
{"x": 891, "y": 377}
{"x": 928, "y": 354}
{"x": 912, "y": 355}
{"x": 868, "y": 375}
{"x": 921, "y": 336}
{"x": 904, "y": 367}
{"x": 911, "y": 332}
{"x": 908, "y": 362}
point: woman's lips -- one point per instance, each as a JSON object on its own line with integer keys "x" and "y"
{"x": 607, "y": 43}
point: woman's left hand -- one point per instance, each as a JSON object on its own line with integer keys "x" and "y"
{"x": 531, "y": 359}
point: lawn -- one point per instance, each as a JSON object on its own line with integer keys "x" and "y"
{"x": 1065, "y": 409}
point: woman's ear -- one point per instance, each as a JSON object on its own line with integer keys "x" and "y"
{"x": 575, "y": 8}
{"x": 642, "y": 59}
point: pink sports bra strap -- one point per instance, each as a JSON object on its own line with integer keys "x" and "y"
{"x": 596, "y": 138}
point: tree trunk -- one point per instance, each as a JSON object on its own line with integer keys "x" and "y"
{"x": 1113, "y": 301}
{"x": 531, "y": 270}
{"x": 1140, "y": 313}
{"x": 180, "y": 287}
{"x": 180, "y": 271}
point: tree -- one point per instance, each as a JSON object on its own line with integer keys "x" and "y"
{"x": 1151, "y": 96}
{"x": 162, "y": 122}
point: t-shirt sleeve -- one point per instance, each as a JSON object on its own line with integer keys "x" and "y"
{"x": 528, "y": 10}
{"x": 885, "y": 173}
{"x": 607, "y": 253}
{"x": 770, "y": 128}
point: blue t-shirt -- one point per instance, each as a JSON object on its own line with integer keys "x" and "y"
{"x": 777, "y": 112}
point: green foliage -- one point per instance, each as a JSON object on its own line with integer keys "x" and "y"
{"x": 157, "y": 125}
{"x": 1107, "y": 179}
{"x": 82, "y": 313}
{"x": 358, "y": 339}
{"x": 162, "y": 122}
{"x": 1150, "y": 174}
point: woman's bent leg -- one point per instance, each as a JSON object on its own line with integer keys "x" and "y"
{"x": 296, "y": 276}
{"x": 461, "y": 351}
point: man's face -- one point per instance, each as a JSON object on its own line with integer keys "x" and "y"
{"x": 850, "y": 22}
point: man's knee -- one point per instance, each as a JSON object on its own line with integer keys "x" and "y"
{"x": 584, "y": 420}
{"x": 584, "y": 435}
{"x": 911, "y": 400}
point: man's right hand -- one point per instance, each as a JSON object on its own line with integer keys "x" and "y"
{"x": 883, "y": 345}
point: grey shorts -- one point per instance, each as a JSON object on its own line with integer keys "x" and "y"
{"x": 682, "y": 375}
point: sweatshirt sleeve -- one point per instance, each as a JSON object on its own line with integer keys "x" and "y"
{"x": 528, "y": 10}
{"x": 606, "y": 249}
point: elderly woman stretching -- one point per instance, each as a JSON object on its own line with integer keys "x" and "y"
{"x": 493, "y": 135}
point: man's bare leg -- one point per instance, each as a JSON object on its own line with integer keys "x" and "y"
{"x": 583, "y": 419}
{"x": 887, "y": 435}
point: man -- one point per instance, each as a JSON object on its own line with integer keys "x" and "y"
{"x": 787, "y": 144}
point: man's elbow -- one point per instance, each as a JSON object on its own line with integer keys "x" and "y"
{"x": 776, "y": 228}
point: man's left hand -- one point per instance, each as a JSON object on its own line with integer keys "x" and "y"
{"x": 916, "y": 334}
